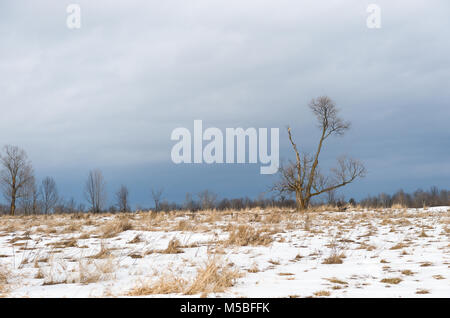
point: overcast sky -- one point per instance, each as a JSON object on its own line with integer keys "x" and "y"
{"x": 109, "y": 94}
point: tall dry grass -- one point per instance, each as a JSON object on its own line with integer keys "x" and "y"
{"x": 213, "y": 277}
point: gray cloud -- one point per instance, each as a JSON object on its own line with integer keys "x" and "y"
{"x": 108, "y": 95}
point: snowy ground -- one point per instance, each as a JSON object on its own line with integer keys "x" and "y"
{"x": 270, "y": 253}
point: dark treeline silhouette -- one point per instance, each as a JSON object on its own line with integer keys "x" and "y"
{"x": 208, "y": 200}
{"x": 24, "y": 195}
{"x": 417, "y": 199}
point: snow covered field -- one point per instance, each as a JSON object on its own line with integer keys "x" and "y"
{"x": 257, "y": 253}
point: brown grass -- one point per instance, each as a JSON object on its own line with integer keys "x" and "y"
{"x": 394, "y": 280}
{"x": 174, "y": 247}
{"x": 115, "y": 226}
{"x": 213, "y": 277}
{"x": 407, "y": 272}
{"x": 438, "y": 277}
{"x": 167, "y": 284}
{"x": 322, "y": 293}
{"x": 245, "y": 235}
{"x": 4, "y": 273}
{"x": 335, "y": 280}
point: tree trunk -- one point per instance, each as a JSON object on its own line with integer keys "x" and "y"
{"x": 302, "y": 204}
{"x": 13, "y": 206}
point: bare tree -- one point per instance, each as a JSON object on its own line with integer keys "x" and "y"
{"x": 207, "y": 199}
{"x": 303, "y": 177}
{"x": 157, "y": 195}
{"x": 16, "y": 176}
{"x": 49, "y": 194}
{"x": 71, "y": 206}
{"x": 332, "y": 197}
{"x": 95, "y": 191}
{"x": 122, "y": 199}
{"x": 29, "y": 202}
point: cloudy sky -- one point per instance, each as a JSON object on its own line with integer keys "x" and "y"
{"x": 109, "y": 94}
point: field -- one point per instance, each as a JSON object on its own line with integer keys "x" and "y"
{"x": 255, "y": 253}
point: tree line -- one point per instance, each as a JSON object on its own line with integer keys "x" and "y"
{"x": 26, "y": 196}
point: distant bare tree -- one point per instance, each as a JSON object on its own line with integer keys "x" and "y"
{"x": 49, "y": 194}
{"x": 95, "y": 191}
{"x": 157, "y": 195}
{"x": 207, "y": 199}
{"x": 122, "y": 199}
{"x": 303, "y": 177}
{"x": 331, "y": 197}
{"x": 71, "y": 206}
{"x": 16, "y": 175}
{"x": 29, "y": 202}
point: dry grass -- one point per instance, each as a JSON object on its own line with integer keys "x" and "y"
{"x": 88, "y": 271}
{"x": 393, "y": 280}
{"x": 167, "y": 284}
{"x": 439, "y": 277}
{"x": 334, "y": 259}
{"x": 136, "y": 239}
{"x": 245, "y": 235}
{"x": 213, "y": 277}
{"x": 337, "y": 253}
{"x": 253, "y": 269}
{"x": 322, "y": 293}
{"x": 115, "y": 226}
{"x": 335, "y": 280}
{"x": 94, "y": 271}
{"x": 104, "y": 252}
{"x": 174, "y": 247}
{"x": 4, "y": 273}
{"x": 399, "y": 246}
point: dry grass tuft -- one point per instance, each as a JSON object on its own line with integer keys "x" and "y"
{"x": 334, "y": 259}
{"x": 164, "y": 285}
{"x": 407, "y": 272}
{"x": 337, "y": 254}
{"x": 136, "y": 239}
{"x": 439, "y": 277}
{"x": 394, "y": 280}
{"x": 214, "y": 277}
{"x": 245, "y": 235}
{"x": 174, "y": 247}
{"x": 322, "y": 293}
{"x": 103, "y": 253}
{"x": 399, "y": 246}
{"x": 115, "y": 226}
{"x": 335, "y": 280}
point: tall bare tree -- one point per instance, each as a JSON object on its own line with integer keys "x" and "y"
{"x": 157, "y": 195}
{"x": 95, "y": 190}
{"x": 303, "y": 177}
{"x": 122, "y": 199}
{"x": 49, "y": 195}
{"x": 16, "y": 175}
